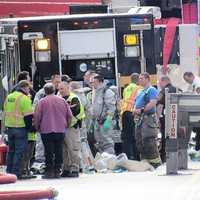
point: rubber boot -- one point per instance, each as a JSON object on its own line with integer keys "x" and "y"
{"x": 49, "y": 173}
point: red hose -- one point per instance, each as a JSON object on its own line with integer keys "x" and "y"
{"x": 28, "y": 195}
{"x": 7, "y": 178}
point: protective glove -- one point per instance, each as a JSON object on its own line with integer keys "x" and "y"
{"x": 107, "y": 123}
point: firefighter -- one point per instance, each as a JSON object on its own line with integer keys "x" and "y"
{"x": 103, "y": 110}
{"x": 72, "y": 141}
{"x": 146, "y": 121}
{"x": 18, "y": 121}
{"x": 164, "y": 82}
{"x": 128, "y": 125}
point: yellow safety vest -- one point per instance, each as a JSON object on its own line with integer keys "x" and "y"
{"x": 17, "y": 105}
{"x": 129, "y": 95}
{"x": 32, "y": 136}
{"x": 81, "y": 115}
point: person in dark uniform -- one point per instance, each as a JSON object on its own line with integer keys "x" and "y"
{"x": 164, "y": 82}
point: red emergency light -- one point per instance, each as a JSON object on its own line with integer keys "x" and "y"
{"x": 76, "y": 23}
{"x": 85, "y": 23}
{"x": 96, "y": 22}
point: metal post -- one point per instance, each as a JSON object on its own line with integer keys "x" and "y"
{"x": 182, "y": 18}
{"x": 171, "y": 137}
{"x": 59, "y": 49}
{"x": 142, "y": 58}
{"x": 117, "y": 75}
{"x": 198, "y": 9}
{"x": 33, "y": 65}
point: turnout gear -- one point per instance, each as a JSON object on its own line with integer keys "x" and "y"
{"x": 147, "y": 128}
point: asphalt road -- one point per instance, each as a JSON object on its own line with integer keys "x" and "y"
{"x": 130, "y": 185}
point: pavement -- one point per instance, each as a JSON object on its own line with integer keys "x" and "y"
{"x": 153, "y": 185}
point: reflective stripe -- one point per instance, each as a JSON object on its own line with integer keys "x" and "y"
{"x": 81, "y": 115}
{"x": 17, "y": 108}
{"x": 131, "y": 100}
{"x": 14, "y": 116}
{"x": 32, "y": 136}
{"x": 130, "y": 94}
{"x": 155, "y": 160}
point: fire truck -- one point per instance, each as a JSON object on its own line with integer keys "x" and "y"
{"x": 114, "y": 45}
{"x": 24, "y": 8}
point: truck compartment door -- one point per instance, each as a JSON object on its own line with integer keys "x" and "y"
{"x": 87, "y": 44}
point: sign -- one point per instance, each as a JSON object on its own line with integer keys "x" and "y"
{"x": 140, "y": 27}
{"x": 32, "y": 35}
{"x": 173, "y": 121}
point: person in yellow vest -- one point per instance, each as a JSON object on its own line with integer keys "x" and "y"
{"x": 28, "y": 154}
{"x": 18, "y": 114}
{"x": 72, "y": 141}
{"x": 128, "y": 125}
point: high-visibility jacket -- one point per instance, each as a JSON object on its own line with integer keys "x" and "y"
{"x": 129, "y": 95}
{"x": 17, "y": 105}
{"x": 81, "y": 114}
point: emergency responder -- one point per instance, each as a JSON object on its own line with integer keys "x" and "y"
{"x": 28, "y": 154}
{"x": 87, "y": 158}
{"x": 38, "y": 165}
{"x": 194, "y": 81}
{"x": 128, "y": 125}
{"x": 103, "y": 110}
{"x": 164, "y": 82}
{"x": 55, "y": 79}
{"x": 72, "y": 140}
{"x": 18, "y": 113}
{"x": 191, "y": 79}
{"x": 52, "y": 117}
{"x": 86, "y": 78}
{"x": 146, "y": 121}
{"x": 66, "y": 78}
{"x": 24, "y": 75}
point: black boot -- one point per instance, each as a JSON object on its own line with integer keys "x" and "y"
{"x": 73, "y": 174}
{"x": 64, "y": 173}
{"x": 49, "y": 173}
{"x": 57, "y": 173}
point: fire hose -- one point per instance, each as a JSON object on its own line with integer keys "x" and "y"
{"x": 49, "y": 193}
{"x": 7, "y": 178}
